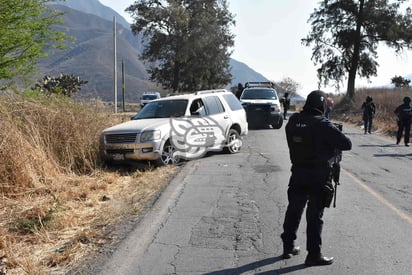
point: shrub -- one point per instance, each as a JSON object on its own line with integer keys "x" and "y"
{"x": 63, "y": 84}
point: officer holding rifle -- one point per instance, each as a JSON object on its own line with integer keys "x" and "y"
{"x": 314, "y": 144}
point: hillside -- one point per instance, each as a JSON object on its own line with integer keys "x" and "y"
{"x": 96, "y": 8}
{"x": 242, "y": 73}
{"x": 91, "y": 55}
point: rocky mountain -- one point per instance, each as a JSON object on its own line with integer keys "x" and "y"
{"x": 242, "y": 73}
{"x": 91, "y": 54}
{"x": 96, "y": 8}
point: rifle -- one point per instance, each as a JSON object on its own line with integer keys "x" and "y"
{"x": 337, "y": 158}
{"x": 335, "y": 177}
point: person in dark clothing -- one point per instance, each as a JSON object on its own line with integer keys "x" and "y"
{"x": 239, "y": 90}
{"x": 313, "y": 141}
{"x": 369, "y": 109}
{"x": 286, "y": 104}
{"x": 329, "y": 105}
{"x": 404, "y": 113}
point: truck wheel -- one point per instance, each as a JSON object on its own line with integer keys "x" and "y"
{"x": 278, "y": 125}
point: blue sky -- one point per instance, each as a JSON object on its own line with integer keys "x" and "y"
{"x": 268, "y": 35}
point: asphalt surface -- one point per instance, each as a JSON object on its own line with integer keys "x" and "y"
{"x": 223, "y": 214}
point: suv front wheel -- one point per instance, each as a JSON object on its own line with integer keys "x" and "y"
{"x": 233, "y": 142}
{"x": 167, "y": 156}
{"x": 278, "y": 124}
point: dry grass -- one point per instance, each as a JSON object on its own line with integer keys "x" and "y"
{"x": 386, "y": 101}
{"x": 57, "y": 204}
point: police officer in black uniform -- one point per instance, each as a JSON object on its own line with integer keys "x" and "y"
{"x": 404, "y": 113}
{"x": 286, "y": 105}
{"x": 313, "y": 141}
{"x": 239, "y": 90}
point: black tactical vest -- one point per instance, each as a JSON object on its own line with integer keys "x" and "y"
{"x": 301, "y": 132}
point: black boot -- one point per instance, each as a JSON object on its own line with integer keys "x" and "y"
{"x": 312, "y": 260}
{"x": 289, "y": 252}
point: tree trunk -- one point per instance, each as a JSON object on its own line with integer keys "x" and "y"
{"x": 356, "y": 51}
{"x": 176, "y": 77}
{"x": 350, "y": 93}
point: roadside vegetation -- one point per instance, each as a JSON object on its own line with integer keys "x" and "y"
{"x": 344, "y": 37}
{"x": 58, "y": 203}
{"x": 386, "y": 101}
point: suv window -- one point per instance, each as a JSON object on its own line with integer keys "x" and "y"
{"x": 163, "y": 109}
{"x": 233, "y": 102}
{"x": 259, "y": 94}
{"x": 213, "y": 105}
{"x": 197, "y": 108}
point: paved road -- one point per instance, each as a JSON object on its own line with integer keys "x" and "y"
{"x": 223, "y": 214}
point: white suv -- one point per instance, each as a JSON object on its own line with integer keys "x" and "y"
{"x": 178, "y": 127}
{"x": 149, "y": 96}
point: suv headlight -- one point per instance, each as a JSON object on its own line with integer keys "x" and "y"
{"x": 274, "y": 108}
{"x": 150, "y": 135}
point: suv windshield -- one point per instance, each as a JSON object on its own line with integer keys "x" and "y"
{"x": 162, "y": 109}
{"x": 259, "y": 94}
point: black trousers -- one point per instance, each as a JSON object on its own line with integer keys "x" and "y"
{"x": 285, "y": 112}
{"x": 403, "y": 125}
{"x": 367, "y": 123}
{"x": 305, "y": 188}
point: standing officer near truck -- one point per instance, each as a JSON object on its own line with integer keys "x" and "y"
{"x": 286, "y": 105}
{"x": 313, "y": 142}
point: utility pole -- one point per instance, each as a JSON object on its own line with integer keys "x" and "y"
{"x": 115, "y": 63}
{"x": 123, "y": 85}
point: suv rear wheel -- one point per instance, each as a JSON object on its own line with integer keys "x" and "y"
{"x": 234, "y": 143}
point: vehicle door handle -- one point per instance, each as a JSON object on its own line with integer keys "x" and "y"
{"x": 225, "y": 116}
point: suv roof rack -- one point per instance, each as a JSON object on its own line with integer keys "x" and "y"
{"x": 210, "y": 91}
{"x": 268, "y": 84}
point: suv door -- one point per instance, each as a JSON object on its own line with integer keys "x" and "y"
{"x": 216, "y": 111}
{"x": 237, "y": 112}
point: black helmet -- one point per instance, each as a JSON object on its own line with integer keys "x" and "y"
{"x": 316, "y": 101}
{"x": 407, "y": 99}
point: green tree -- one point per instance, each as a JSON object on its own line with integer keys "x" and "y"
{"x": 25, "y": 34}
{"x": 345, "y": 35}
{"x": 187, "y": 42}
{"x": 400, "y": 81}
{"x": 288, "y": 85}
